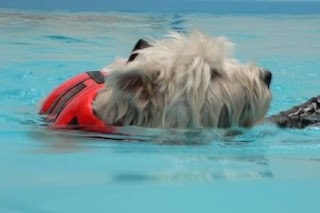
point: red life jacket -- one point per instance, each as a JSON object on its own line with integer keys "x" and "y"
{"x": 70, "y": 105}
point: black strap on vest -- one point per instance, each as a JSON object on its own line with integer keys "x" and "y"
{"x": 59, "y": 104}
{"x": 97, "y": 76}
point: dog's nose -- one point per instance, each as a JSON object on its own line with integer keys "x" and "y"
{"x": 267, "y": 77}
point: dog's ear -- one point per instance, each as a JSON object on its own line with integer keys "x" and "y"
{"x": 134, "y": 82}
{"x": 141, "y": 44}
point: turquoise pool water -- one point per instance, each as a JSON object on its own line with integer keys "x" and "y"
{"x": 266, "y": 169}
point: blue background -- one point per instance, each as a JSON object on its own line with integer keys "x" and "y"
{"x": 233, "y": 6}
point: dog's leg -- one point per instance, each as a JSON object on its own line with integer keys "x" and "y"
{"x": 301, "y": 116}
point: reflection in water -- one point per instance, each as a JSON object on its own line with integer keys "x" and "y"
{"x": 188, "y": 176}
{"x": 211, "y": 156}
{"x": 134, "y": 156}
{"x": 118, "y": 159}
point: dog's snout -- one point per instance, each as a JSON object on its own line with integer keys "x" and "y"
{"x": 267, "y": 77}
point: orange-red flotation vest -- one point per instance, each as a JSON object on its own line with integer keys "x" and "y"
{"x": 70, "y": 105}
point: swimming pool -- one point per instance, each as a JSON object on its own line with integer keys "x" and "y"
{"x": 264, "y": 170}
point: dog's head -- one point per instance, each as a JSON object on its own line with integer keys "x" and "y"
{"x": 185, "y": 82}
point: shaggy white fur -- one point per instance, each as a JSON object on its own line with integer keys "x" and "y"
{"x": 184, "y": 82}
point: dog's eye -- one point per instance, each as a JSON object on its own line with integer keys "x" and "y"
{"x": 214, "y": 73}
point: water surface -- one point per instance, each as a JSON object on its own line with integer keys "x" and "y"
{"x": 265, "y": 169}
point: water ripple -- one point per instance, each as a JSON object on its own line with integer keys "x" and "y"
{"x": 177, "y": 23}
{"x": 64, "y": 39}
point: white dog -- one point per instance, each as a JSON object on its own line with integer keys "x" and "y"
{"x": 184, "y": 82}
